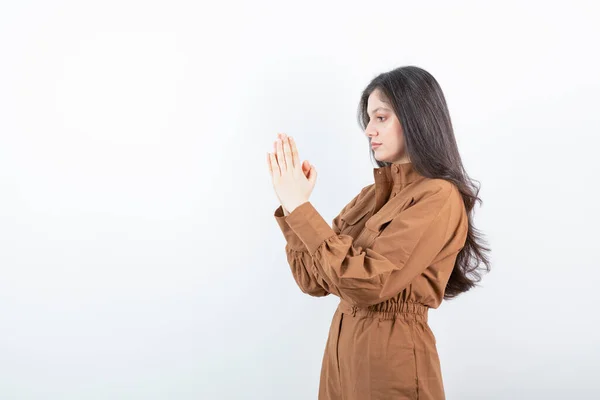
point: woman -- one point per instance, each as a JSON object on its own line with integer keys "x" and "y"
{"x": 397, "y": 249}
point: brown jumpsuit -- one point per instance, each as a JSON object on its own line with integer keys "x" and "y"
{"x": 388, "y": 257}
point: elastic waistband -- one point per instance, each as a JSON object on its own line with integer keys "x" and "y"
{"x": 387, "y": 310}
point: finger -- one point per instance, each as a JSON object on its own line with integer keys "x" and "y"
{"x": 295, "y": 155}
{"x": 274, "y": 166}
{"x": 312, "y": 174}
{"x": 287, "y": 150}
{"x": 281, "y": 157}
{"x": 278, "y": 157}
{"x": 307, "y": 167}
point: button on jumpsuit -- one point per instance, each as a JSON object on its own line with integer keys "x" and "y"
{"x": 388, "y": 256}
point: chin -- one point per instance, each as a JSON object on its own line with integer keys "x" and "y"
{"x": 380, "y": 158}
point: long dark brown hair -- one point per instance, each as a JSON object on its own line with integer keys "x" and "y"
{"x": 420, "y": 106}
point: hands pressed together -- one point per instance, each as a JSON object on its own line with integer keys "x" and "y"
{"x": 293, "y": 181}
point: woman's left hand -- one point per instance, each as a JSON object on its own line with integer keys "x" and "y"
{"x": 292, "y": 187}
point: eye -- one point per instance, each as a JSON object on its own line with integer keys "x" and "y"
{"x": 380, "y": 117}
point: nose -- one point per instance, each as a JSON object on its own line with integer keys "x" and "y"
{"x": 371, "y": 135}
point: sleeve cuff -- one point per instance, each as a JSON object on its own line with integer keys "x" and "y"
{"x": 309, "y": 226}
{"x": 291, "y": 238}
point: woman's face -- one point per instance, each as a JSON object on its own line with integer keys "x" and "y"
{"x": 384, "y": 127}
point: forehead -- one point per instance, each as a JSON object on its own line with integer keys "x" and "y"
{"x": 377, "y": 101}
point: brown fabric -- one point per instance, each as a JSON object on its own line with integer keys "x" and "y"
{"x": 388, "y": 255}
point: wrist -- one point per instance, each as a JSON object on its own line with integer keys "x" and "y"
{"x": 294, "y": 206}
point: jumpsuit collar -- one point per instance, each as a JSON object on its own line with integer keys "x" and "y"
{"x": 390, "y": 179}
{"x": 395, "y": 174}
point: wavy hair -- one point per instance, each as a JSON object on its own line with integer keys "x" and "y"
{"x": 420, "y": 106}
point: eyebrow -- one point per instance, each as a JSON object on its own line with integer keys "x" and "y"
{"x": 379, "y": 108}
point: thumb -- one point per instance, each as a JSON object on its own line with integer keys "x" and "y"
{"x": 312, "y": 174}
{"x": 306, "y": 168}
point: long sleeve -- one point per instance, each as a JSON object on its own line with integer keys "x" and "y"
{"x": 299, "y": 258}
{"x": 292, "y": 240}
{"x": 405, "y": 248}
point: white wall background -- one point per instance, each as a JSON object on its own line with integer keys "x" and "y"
{"x": 139, "y": 256}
